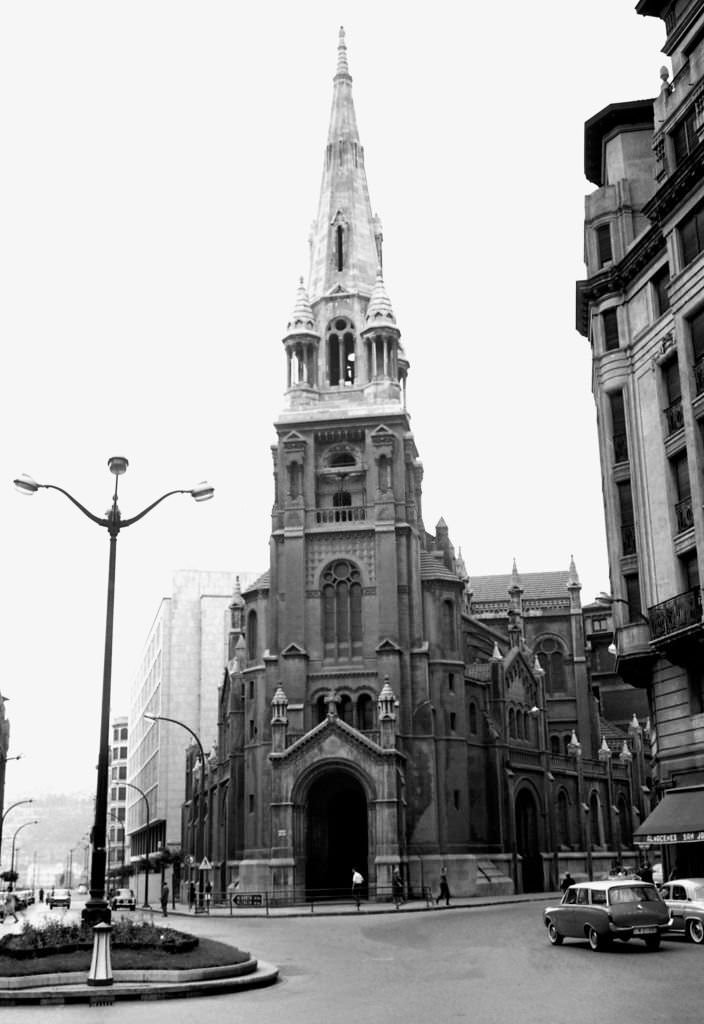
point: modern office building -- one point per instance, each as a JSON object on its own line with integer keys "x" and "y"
{"x": 178, "y": 677}
{"x": 642, "y": 309}
{"x": 118, "y": 854}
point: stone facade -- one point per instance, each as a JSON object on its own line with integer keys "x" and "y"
{"x": 642, "y": 308}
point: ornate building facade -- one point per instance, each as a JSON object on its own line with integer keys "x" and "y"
{"x": 642, "y": 309}
{"x": 378, "y": 708}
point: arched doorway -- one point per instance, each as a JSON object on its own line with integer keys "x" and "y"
{"x": 336, "y": 834}
{"x": 528, "y": 843}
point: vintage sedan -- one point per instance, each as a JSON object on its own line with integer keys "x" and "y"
{"x": 613, "y": 909}
{"x": 685, "y": 901}
{"x": 123, "y": 899}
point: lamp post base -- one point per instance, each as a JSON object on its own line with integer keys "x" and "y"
{"x": 96, "y": 912}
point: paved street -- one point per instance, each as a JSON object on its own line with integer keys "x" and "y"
{"x": 481, "y": 964}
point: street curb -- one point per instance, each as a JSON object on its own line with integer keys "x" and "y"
{"x": 121, "y": 991}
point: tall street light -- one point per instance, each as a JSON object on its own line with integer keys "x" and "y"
{"x": 18, "y": 803}
{"x": 200, "y": 824}
{"x": 146, "y": 869}
{"x": 3, "y": 763}
{"x": 17, "y": 831}
{"x": 96, "y": 908}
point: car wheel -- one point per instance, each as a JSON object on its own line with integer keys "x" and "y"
{"x": 695, "y": 930}
{"x": 596, "y": 941}
{"x": 652, "y": 943}
{"x": 555, "y": 938}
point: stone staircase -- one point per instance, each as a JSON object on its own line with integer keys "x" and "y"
{"x": 491, "y": 880}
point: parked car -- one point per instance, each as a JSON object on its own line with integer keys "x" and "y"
{"x": 24, "y": 898}
{"x": 123, "y": 899}
{"x": 59, "y": 898}
{"x": 685, "y": 901}
{"x": 612, "y": 909}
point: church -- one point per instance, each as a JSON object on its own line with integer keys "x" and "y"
{"x": 377, "y": 712}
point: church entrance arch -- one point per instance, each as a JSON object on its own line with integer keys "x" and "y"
{"x": 336, "y": 830}
{"x": 528, "y": 841}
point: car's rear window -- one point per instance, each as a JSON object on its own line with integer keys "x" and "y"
{"x": 599, "y": 896}
{"x": 633, "y": 894}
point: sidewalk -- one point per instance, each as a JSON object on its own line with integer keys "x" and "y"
{"x": 337, "y": 908}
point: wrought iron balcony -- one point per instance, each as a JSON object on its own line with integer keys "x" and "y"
{"x": 684, "y": 514}
{"x": 677, "y": 614}
{"x": 674, "y": 417}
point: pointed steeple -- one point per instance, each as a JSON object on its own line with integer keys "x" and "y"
{"x": 302, "y": 320}
{"x": 344, "y": 253}
{"x": 379, "y": 310}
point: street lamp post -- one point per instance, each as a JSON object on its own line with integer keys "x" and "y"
{"x": 122, "y": 826}
{"x": 3, "y": 761}
{"x": 201, "y": 821}
{"x": 609, "y": 599}
{"x": 14, "y": 838}
{"x": 96, "y": 908}
{"x": 146, "y": 869}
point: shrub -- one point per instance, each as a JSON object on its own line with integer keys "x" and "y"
{"x": 56, "y": 937}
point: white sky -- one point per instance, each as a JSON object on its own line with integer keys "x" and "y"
{"x": 160, "y": 170}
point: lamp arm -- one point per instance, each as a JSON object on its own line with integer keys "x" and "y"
{"x": 163, "y": 718}
{"x": 140, "y": 515}
{"x": 84, "y": 510}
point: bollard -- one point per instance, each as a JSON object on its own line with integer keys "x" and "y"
{"x": 101, "y": 967}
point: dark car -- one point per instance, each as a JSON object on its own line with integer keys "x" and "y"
{"x": 123, "y": 899}
{"x": 685, "y": 901}
{"x": 59, "y": 898}
{"x": 613, "y": 909}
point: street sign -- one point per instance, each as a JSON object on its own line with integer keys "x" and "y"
{"x": 205, "y": 865}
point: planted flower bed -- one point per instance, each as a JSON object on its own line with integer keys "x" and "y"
{"x": 55, "y": 937}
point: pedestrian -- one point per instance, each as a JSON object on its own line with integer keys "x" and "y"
{"x": 444, "y": 887}
{"x": 208, "y": 896}
{"x": 191, "y": 895}
{"x": 11, "y": 905}
{"x": 566, "y": 882}
{"x": 646, "y": 871}
{"x": 41, "y": 895}
{"x": 164, "y": 899}
{"x": 357, "y": 883}
{"x": 397, "y": 887}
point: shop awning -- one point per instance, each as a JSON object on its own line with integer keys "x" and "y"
{"x": 678, "y": 818}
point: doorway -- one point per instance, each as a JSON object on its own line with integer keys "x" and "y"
{"x": 527, "y": 842}
{"x": 336, "y": 835}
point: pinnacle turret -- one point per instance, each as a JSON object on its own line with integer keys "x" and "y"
{"x": 379, "y": 310}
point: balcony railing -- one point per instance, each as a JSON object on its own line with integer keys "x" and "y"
{"x": 684, "y": 514}
{"x": 628, "y": 539}
{"x": 675, "y": 614}
{"x": 699, "y": 376}
{"x": 674, "y": 417}
{"x": 342, "y": 514}
{"x": 620, "y": 448}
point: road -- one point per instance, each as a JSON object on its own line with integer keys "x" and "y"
{"x": 483, "y": 965}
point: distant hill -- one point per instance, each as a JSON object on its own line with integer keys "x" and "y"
{"x": 63, "y": 820}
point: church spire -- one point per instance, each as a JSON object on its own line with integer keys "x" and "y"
{"x": 346, "y": 237}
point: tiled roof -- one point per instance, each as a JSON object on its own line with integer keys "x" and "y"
{"x": 432, "y": 568}
{"x": 262, "y": 583}
{"x": 536, "y": 586}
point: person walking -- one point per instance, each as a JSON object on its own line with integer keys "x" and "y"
{"x": 208, "y": 896}
{"x": 191, "y": 895}
{"x": 11, "y": 906}
{"x": 397, "y": 887}
{"x": 444, "y": 887}
{"x": 41, "y": 895}
{"x": 165, "y": 899}
{"x": 357, "y": 883}
{"x": 567, "y": 881}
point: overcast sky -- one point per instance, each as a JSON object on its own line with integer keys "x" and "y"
{"x": 160, "y": 171}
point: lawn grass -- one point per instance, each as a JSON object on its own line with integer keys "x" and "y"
{"x": 207, "y": 953}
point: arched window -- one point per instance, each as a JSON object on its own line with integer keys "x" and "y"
{"x": 321, "y": 709}
{"x": 624, "y": 821}
{"x": 563, "y": 818}
{"x": 252, "y": 641}
{"x": 341, "y": 596}
{"x": 473, "y": 718}
{"x": 512, "y": 723}
{"x": 344, "y": 708}
{"x": 365, "y": 713}
{"x": 340, "y": 352}
{"x": 448, "y": 625}
{"x": 552, "y": 661}
{"x": 339, "y": 247}
{"x": 555, "y": 746}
